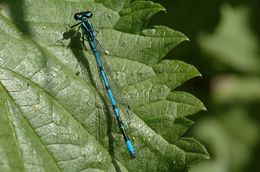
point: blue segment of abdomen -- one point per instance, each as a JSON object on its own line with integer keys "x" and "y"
{"x": 130, "y": 147}
{"x": 111, "y": 97}
{"x": 128, "y": 143}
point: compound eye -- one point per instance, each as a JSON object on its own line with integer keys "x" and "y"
{"x": 77, "y": 16}
{"x": 88, "y": 14}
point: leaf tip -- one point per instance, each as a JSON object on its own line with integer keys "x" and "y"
{"x": 163, "y": 9}
{"x": 204, "y": 108}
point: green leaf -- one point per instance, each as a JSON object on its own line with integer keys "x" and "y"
{"x": 55, "y": 120}
{"x": 135, "y": 16}
{"x": 227, "y": 89}
{"x": 231, "y": 131}
{"x": 173, "y": 73}
{"x": 230, "y": 143}
{"x": 238, "y": 52}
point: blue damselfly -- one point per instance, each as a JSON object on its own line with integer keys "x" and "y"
{"x": 88, "y": 34}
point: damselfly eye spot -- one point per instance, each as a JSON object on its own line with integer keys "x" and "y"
{"x": 88, "y": 14}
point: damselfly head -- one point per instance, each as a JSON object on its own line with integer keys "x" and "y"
{"x": 83, "y": 15}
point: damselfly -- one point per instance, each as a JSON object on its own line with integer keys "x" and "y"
{"x": 88, "y": 34}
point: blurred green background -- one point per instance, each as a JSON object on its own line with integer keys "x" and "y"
{"x": 224, "y": 47}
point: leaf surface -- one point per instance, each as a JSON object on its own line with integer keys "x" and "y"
{"x": 58, "y": 121}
